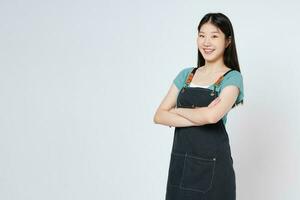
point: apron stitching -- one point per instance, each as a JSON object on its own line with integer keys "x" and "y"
{"x": 197, "y": 190}
{"x": 196, "y": 157}
{"x": 212, "y": 176}
{"x": 180, "y": 185}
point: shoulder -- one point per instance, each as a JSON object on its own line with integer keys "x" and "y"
{"x": 184, "y": 72}
{"x": 235, "y": 78}
{"x": 181, "y": 76}
{"x": 234, "y": 74}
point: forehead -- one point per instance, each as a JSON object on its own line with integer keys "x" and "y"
{"x": 209, "y": 28}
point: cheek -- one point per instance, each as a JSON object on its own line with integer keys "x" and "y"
{"x": 199, "y": 42}
{"x": 221, "y": 44}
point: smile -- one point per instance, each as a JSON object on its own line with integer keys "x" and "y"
{"x": 208, "y": 51}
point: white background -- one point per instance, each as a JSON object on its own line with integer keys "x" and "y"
{"x": 80, "y": 82}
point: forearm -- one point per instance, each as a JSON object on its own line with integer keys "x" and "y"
{"x": 199, "y": 115}
{"x": 169, "y": 118}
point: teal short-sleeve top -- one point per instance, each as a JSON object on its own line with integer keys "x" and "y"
{"x": 232, "y": 78}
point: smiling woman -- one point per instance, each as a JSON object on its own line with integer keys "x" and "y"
{"x": 201, "y": 166}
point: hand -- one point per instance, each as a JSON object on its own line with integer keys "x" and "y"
{"x": 214, "y": 102}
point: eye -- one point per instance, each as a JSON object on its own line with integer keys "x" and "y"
{"x": 215, "y": 36}
{"x": 201, "y": 35}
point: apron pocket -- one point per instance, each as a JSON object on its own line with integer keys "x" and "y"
{"x": 198, "y": 173}
{"x": 176, "y": 169}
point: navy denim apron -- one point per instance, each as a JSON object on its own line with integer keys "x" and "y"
{"x": 201, "y": 166}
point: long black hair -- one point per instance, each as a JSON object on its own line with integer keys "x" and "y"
{"x": 230, "y": 54}
{"x": 223, "y": 23}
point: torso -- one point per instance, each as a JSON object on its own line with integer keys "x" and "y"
{"x": 203, "y": 78}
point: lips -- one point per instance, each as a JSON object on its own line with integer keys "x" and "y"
{"x": 208, "y": 51}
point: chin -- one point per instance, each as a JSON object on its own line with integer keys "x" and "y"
{"x": 211, "y": 58}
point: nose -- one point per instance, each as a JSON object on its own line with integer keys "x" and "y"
{"x": 206, "y": 41}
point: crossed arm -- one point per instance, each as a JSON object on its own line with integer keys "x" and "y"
{"x": 167, "y": 113}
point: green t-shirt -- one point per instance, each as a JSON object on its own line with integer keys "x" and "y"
{"x": 232, "y": 78}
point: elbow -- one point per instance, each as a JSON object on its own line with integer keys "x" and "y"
{"x": 213, "y": 118}
{"x": 210, "y": 120}
{"x": 156, "y": 118}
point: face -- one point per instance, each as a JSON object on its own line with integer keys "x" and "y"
{"x": 211, "y": 42}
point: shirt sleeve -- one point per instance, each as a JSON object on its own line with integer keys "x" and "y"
{"x": 179, "y": 80}
{"x": 234, "y": 78}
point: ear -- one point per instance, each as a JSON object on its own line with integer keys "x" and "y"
{"x": 228, "y": 41}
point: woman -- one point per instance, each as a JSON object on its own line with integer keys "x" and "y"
{"x": 197, "y": 103}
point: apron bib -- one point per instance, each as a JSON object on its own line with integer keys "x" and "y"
{"x": 201, "y": 166}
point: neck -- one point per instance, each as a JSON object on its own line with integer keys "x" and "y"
{"x": 211, "y": 67}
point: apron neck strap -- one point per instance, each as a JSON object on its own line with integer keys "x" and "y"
{"x": 191, "y": 75}
{"x": 222, "y": 77}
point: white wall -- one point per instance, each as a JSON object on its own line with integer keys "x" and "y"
{"x": 80, "y": 82}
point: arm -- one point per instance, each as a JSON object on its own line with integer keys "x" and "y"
{"x": 206, "y": 115}
{"x": 164, "y": 114}
{"x": 199, "y": 115}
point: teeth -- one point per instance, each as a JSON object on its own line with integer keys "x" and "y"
{"x": 208, "y": 51}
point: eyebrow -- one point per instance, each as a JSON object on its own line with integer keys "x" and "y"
{"x": 211, "y": 32}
